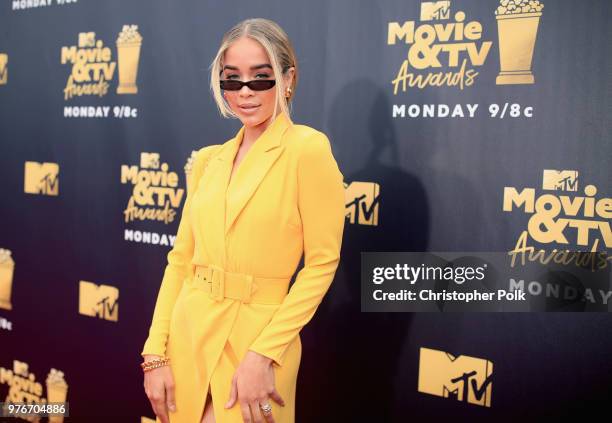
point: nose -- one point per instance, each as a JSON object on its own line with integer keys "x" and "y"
{"x": 245, "y": 91}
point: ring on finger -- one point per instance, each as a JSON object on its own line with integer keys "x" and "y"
{"x": 266, "y": 408}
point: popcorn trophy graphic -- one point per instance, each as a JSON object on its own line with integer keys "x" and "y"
{"x": 3, "y": 68}
{"x": 7, "y": 267}
{"x": 517, "y": 25}
{"x": 128, "y": 50}
{"x": 188, "y": 168}
{"x": 57, "y": 390}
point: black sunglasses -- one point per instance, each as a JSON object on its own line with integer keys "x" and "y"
{"x": 255, "y": 85}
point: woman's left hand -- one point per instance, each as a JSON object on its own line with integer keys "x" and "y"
{"x": 252, "y": 386}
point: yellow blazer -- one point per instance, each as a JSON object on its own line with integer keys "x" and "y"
{"x": 285, "y": 199}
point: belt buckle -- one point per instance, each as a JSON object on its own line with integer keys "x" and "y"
{"x": 217, "y": 281}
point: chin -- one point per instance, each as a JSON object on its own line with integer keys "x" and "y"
{"x": 253, "y": 120}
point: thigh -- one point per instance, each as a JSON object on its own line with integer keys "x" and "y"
{"x": 208, "y": 415}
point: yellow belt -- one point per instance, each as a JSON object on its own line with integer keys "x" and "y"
{"x": 220, "y": 284}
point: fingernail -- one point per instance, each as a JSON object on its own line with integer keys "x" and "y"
{"x": 172, "y": 407}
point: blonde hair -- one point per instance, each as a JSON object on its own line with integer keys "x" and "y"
{"x": 279, "y": 49}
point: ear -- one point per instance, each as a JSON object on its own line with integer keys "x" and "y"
{"x": 288, "y": 77}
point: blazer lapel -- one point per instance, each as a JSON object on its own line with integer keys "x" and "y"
{"x": 253, "y": 168}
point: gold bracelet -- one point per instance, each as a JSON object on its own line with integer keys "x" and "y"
{"x": 154, "y": 364}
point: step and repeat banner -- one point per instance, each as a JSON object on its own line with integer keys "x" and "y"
{"x": 459, "y": 126}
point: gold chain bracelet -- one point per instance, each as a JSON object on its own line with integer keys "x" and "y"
{"x": 154, "y": 364}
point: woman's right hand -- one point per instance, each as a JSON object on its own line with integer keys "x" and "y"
{"x": 159, "y": 387}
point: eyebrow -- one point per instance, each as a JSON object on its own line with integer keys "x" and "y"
{"x": 255, "y": 67}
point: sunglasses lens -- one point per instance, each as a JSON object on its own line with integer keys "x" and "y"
{"x": 255, "y": 85}
{"x": 230, "y": 85}
{"x": 262, "y": 84}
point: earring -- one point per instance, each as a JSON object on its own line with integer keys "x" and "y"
{"x": 288, "y": 92}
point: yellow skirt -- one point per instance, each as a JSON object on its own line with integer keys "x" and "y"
{"x": 210, "y": 333}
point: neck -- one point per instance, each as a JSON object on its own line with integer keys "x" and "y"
{"x": 251, "y": 133}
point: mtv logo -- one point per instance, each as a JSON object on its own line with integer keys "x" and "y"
{"x": 149, "y": 160}
{"x": 435, "y": 10}
{"x": 362, "y": 199}
{"x": 41, "y": 178}
{"x": 87, "y": 39}
{"x": 3, "y": 68}
{"x": 98, "y": 301}
{"x": 560, "y": 180}
{"x": 463, "y": 378}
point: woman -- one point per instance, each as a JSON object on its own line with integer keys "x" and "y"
{"x": 225, "y": 317}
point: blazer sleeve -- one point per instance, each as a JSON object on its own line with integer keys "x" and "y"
{"x": 178, "y": 264}
{"x": 321, "y": 206}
